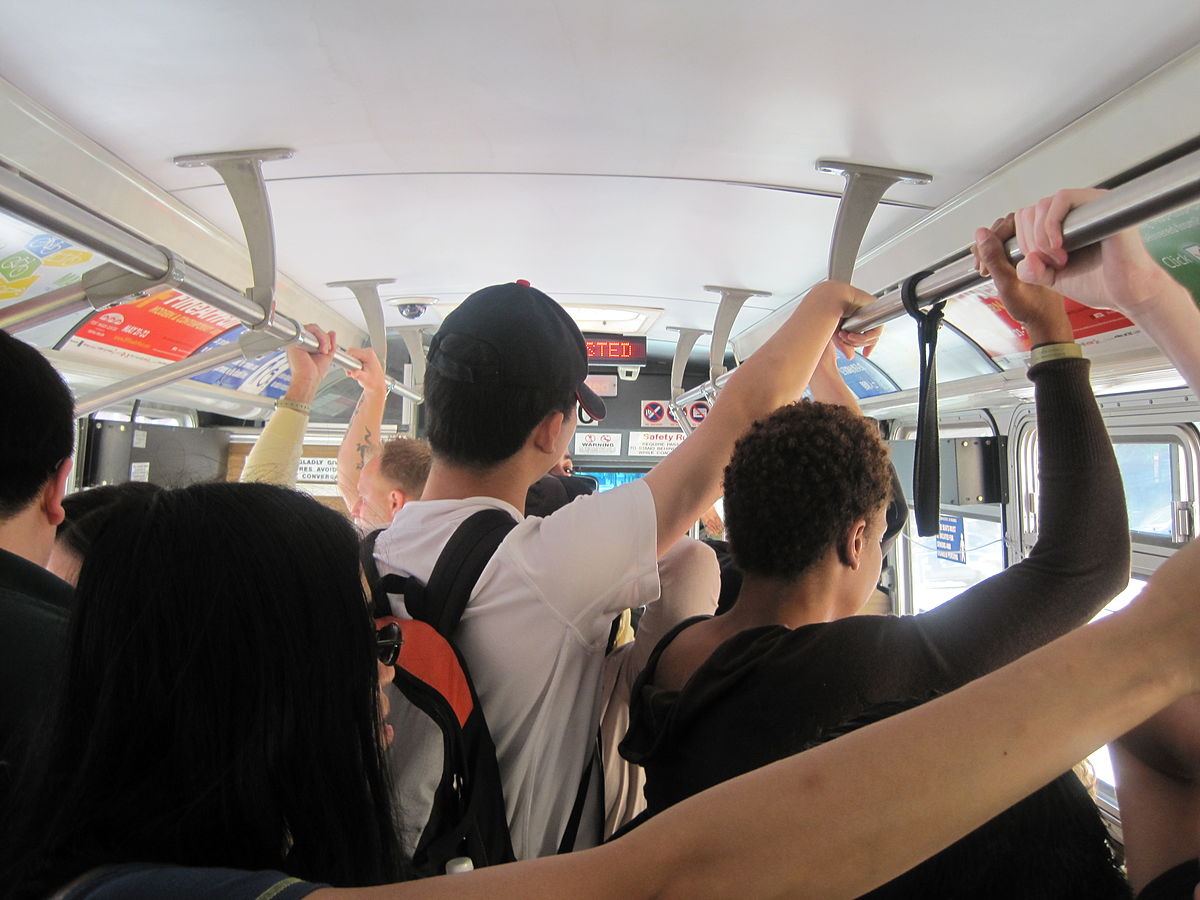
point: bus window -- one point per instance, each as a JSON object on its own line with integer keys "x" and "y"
{"x": 609, "y": 480}
{"x": 934, "y": 578}
{"x": 1150, "y": 470}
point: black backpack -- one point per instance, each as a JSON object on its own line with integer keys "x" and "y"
{"x": 468, "y": 817}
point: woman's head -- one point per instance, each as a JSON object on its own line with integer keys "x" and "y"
{"x": 220, "y": 704}
{"x": 86, "y": 511}
{"x": 796, "y": 484}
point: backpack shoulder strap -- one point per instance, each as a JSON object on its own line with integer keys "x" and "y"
{"x": 379, "y": 590}
{"x": 458, "y": 568}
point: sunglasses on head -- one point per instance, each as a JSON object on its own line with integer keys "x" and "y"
{"x": 388, "y": 641}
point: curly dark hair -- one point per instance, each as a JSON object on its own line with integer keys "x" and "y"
{"x": 797, "y": 481}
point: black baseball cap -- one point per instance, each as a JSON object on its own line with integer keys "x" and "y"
{"x": 514, "y": 335}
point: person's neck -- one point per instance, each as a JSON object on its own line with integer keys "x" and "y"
{"x": 810, "y": 598}
{"x": 508, "y": 481}
{"x": 27, "y": 535}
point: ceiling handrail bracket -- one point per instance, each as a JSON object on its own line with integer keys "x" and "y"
{"x": 241, "y": 170}
{"x": 865, "y": 187}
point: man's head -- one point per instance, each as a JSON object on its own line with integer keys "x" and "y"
{"x": 809, "y": 479}
{"x": 35, "y": 448}
{"x": 500, "y": 364}
{"x": 391, "y": 479}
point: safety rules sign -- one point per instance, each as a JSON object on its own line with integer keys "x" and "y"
{"x": 654, "y": 443}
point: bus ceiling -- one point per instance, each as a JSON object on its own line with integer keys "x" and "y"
{"x": 618, "y": 157}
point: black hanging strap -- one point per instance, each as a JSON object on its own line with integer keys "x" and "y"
{"x": 926, "y": 469}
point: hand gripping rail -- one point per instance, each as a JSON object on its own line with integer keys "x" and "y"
{"x": 152, "y": 266}
{"x": 1168, "y": 187}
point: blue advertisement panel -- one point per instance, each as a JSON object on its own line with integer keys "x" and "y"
{"x": 950, "y": 539}
{"x": 864, "y": 377}
{"x": 267, "y": 376}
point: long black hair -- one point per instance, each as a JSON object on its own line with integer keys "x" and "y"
{"x": 219, "y": 703}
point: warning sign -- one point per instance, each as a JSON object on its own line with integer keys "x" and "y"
{"x": 654, "y": 412}
{"x": 598, "y": 443}
{"x": 697, "y": 412}
{"x": 654, "y": 443}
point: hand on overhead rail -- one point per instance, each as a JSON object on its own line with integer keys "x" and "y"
{"x": 1003, "y": 228}
{"x": 1118, "y": 274}
{"x": 849, "y": 341}
{"x": 370, "y": 377}
{"x": 1039, "y": 309}
{"x": 309, "y": 369}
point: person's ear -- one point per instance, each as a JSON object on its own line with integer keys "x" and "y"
{"x": 53, "y": 493}
{"x": 545, "y": 434}
{"x": 851, "y": 548}
{"x": 396, "y": 500}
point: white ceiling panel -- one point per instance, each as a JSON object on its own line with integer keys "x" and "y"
{"x": 412, "y": 118}
{"x": 621, "y": 240}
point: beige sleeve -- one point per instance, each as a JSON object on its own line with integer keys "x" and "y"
{"x": 276, "y": 455}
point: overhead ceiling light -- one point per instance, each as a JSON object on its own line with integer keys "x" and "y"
{"x": 595, "y": 318}
{"x": 617, "y": 320}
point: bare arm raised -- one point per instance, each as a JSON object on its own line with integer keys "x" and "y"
{"x": 1158, "y": 763}
{"x": 689, "y": 479}
{"x": 362, "y": 436}
{"x": 276, "y": 453}
{"x": 827, "y": 384}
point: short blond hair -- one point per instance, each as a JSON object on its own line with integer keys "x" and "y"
{"x": 405, "y": 463}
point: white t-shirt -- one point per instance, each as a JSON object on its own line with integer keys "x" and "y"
{"x": 534, "y": 634}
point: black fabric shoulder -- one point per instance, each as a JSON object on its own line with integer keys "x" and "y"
{"x": 661, "y": 647}
{"x": 1176, "y": 883}
{"x": 654, "y": 710}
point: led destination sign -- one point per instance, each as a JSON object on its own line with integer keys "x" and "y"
{"x": 616, "y": 349}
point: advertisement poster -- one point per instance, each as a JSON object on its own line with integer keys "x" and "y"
{"x": 267, "y": 376}
{"x": 864, "y": 377}
{"x": 1174, "y": 240}
{"x": 950, "y": 539}
{"x": 167, "y": 326}
{"x": 980, "y": 314}
{"x": 33, "y": 262}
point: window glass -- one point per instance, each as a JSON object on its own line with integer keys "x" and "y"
{"x": 1150, "y": 471}
{"x": 609, "y": 480}
{"x": 897, "y": 356}
{"x": 936, "y": 580}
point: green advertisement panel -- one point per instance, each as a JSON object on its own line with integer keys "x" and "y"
{"x": 1174, "y": 240}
